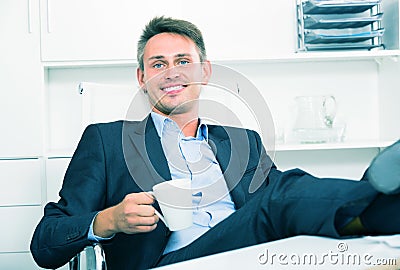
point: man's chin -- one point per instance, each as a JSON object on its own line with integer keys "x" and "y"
{"x": 175, "y": 110}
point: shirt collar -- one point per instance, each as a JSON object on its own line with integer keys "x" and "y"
{"x": 160, "y": 120}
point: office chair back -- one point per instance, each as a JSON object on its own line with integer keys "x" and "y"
{"x": 91, "y": 258}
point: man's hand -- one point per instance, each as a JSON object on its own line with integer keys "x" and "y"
{"x": 135, "y": 214}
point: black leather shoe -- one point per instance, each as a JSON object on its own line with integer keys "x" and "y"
{"x": 384, "y": 171}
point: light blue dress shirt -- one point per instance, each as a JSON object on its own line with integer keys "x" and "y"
{"x": 192, "y": 157}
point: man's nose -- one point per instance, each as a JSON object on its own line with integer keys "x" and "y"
{"x": 172, "y": 73}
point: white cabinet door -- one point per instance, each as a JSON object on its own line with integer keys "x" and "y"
{"x": 17, "y": 227}
{"x": 253, "y": 29}
{"x": 97, "y": 29}
{"x": 21, "y": 96}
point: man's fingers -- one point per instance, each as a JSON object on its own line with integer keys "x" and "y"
{"x": 145, "y": 210}
{"x": 138, "y": 221}
{"x": 140, "y": 198}
{"x": 144, "y": 229}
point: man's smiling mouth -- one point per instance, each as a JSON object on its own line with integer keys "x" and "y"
{"x": 174, "y": 88}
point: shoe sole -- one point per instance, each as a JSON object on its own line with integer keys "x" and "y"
{"x": 384, "y": 171}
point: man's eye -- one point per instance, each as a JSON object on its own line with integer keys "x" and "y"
{"x": 158, "y": 65}
{"x": 183, "y": 62}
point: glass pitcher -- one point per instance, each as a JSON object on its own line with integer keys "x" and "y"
{"x": 314, "y": 118}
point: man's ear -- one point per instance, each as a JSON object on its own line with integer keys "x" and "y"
{"x": 207, "y": 71}
{"x": 140, "y": 78}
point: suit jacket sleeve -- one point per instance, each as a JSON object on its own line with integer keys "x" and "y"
{"x": 63, "y": 230}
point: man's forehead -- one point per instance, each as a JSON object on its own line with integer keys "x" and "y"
{"x": 169, "y": 45}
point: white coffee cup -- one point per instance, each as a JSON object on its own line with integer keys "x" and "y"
{"x": 175, "y": 200}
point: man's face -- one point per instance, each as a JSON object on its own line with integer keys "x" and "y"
{"x": 172, "y": 81}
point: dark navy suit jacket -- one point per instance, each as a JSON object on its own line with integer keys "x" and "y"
{"x": 115, "y": 159}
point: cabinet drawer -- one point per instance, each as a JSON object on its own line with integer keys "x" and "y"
{"x": 17, "y": 261}
{"x": 20, "y": 182}
{"x": 17, "y": 226}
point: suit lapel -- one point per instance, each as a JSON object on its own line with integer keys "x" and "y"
{"x": 221, "y": 140}
{"x": 144, "y": 155}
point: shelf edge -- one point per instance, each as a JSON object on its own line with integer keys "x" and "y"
{"x": 332, "y": 146}
{"x": 292, "y": 57}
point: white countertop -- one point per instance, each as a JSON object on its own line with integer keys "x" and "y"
{"x": 306, "y": 252}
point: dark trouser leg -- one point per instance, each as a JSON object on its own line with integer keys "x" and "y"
{"x": 293, "y": 203}
{"x": 381, "y": 216}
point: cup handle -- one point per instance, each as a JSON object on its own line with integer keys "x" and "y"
{"x": 161, "y": 217}
{"x": 158, "y": 213}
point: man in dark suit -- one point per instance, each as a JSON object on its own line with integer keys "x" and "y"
{"x": 104, "y": 198}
